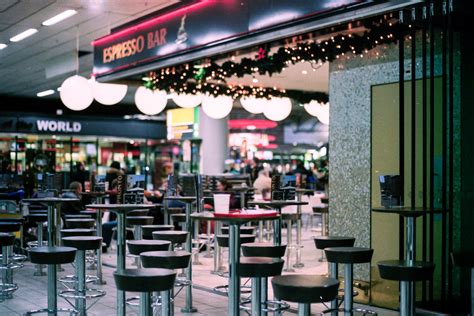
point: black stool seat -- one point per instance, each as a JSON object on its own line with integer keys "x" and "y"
{"x": 249, "y": 230}
{"x": 6, "y": 239}
{"x": 9, "y": 227}
{"x": 223, "y": 240}
{"x": 463, "y": 259}
{"x": 76, "y": 216}
{"x": 144, "y": 280}
{"x": 349, "y": 254}
{"x": 323, "y": 242}
{"x": 134, "y": 213}
{"x": 178, "y": 217}
{"x": 30, "y": 211}
{"x": 139, "y": 220}
{"x": 147, "y": 230}
{"x": 69, "y": 232}
{"x": 260, "y": 267}
{"x": 136, "y": 247}
{"x": 290, "y": 216}
{"x": 263, "y": 249}
{"x": 165, "y": 259}
{"x": 401, "y": 270}
{"x": 80, "y": 223}
{"x": 90, "y": 213}
{"x": 321, "y": 209}
{"x": 305, "y": 288}
{"x": 175, "y": 236}
{"x": 37, "y": 218}
{"x": 175, "y": 210}
{"x": 52, "y": 255}
{"x": 83, "y": 242}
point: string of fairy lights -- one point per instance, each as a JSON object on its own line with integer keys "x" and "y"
{"x": 211, "y": 78}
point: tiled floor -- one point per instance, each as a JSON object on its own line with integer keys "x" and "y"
{"x": 33, "y": 290}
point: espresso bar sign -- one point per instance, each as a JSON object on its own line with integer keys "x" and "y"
{"x": 58, "y": 126}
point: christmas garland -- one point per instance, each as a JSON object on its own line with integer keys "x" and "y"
{"x": 211, "y": 78}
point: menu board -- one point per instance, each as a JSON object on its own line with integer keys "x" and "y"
{"x": 182, "y": 124}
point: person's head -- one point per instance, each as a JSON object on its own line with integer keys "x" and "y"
{"x": 115, "y": 165}
{"x": 222, "y": 185}
{"x": 79, "y": 166}
{"x": 76, "y": 187}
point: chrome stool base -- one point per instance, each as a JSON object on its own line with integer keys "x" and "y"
{"x": 51, "y": 311}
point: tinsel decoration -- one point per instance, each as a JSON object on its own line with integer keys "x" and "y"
{"x": 211, "y": 78}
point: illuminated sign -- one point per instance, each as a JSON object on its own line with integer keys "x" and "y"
{"x": 198, "y": 23}
{"x": 58, "y": 126}
{"x": 182, "y": 123}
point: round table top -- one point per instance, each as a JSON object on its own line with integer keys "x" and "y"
{"x": 181, "y": 198}
{"x": 301, "y": 190}
{"x": 240, "y": 189}
{"x": 99, "y": 193}
{"x": 51, "y": 200}
{"x": 236, "y": 217}
{"x": 277, "y": 203}
{"x": 408, "y": 211}
{"x": 120, "y": 208}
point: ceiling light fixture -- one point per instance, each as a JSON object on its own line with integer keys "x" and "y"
{"x": 107, "y": 93}
{"x": 150, "y": 102}
{"x": 304, "y": 72}
{"x": 58, "y": 18}
{"x": 277, "y": 109}
{"x": 76, "y": 93}
{"x": 23, "y": 35}
{"x": 2, "y": 46}
{"x": 45, "y": 93}
{"x": 217, "y": 107}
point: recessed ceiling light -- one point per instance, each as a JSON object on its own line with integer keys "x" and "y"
{"x": 304, "y": 72}
{"x": 255, "y": 80}
{"x": 44, "y": 93}
{"x": 2, "y": 46}
{"x": 58, "y": 18}
{"x": 23, "y": 35}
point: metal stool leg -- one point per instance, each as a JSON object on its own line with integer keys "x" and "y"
{"x": 256, "y": 297}
{"x": 39, "y": 267}
{"x": 166, "y": 306}
{"x": 289, "y": 240}
{"x": 333, "y": 274}
{"x": 264, "y": 295}
{"x": 137, "y": 234}
{"x": 304, "y": 309}
{"x": 81, "y": 281}
{"x": 348, "y": 290}
{"x": 52, "y": 290}
{"x": 145, "y": 304}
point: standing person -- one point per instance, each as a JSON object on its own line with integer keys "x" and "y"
{"x": 263, "y": 183}
{"x": 80, "y": 173}
{"x": 113, "y": 172}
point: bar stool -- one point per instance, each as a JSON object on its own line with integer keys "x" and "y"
{"x": 52, "y": 256}
{"x": 138, "y": 212}
{"x": 406, "y": 273}
{"x": 147, "y": 230}
{"x": 323, "y": 242}
{"x": 7, "y": 287}
{"x": 80, "y": 223}
{"x": 146, "y": 281}
{"x": 289, "y": 218}
{"x": 8, "y": 256}
{"x": 137, "y": 222}
{"x": 76, "y": 216}
{"x": 80, "y": 293}
{"x": 246, "y": 230}
{"x": 39, "y": 219}
{"x": 259, "y": 269}
{"x": 72, "y": 232}
{"x": 178, "y": 220}
{"x": 13, "y": 225}
{"x": 305, "y": 290}
{"x": 349, "y": 256}
{"x": 263, "y": 249}
{"x": 176, "y": 237}
{"x": 136, "y": 247}
{"x": 172, "y": 260}
{"x": 323, "y": 210}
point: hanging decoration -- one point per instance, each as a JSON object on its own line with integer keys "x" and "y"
{"x": 107, "y": 93}
{"x": 319, "y": 110}
{"x": 211, "y": 78}
{"x": 217, "y": 107}
{"x": 150, "y": 102}
{"x": 76, "y": 93}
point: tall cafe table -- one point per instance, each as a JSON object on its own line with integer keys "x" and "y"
{"x": 121, "y": 210}
{"x": 188, "y": 200}
{"x": 235, "y": 220}
{"x": 409, "y": 213}
{"x": 276, "y": 205}
{"x": 54, "y": 219}
{"x": 299, "y": 195}
{"x": 98, "y": 225}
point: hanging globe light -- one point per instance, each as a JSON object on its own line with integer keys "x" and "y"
{"x": 319, "y": 110}
{"x": 187, "y": 100}
{"x": 108, "y": 93}
{"x": 150, "y": 102}
{"x": 277, "y": 109}
{"x": 217, "y": 107}
{"x": 76, "y": 93}
{"x": 254, "y": 105}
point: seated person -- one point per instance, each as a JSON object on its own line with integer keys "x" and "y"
{"x": 75, "y": 207}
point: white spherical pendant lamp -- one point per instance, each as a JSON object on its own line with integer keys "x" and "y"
{"x": 150, "y": 102}
{"x": 319, "y": 110}
{"x": 108, "y": 93}
{"x": 254, "y": 105}
{"x": 187, "y": 100}
{"x": 217, "y": 107}
{"x": 76, "y": 93}
{"x": 277, "y": 109}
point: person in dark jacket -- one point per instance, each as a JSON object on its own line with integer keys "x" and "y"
{"x": 69, "y": 208}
